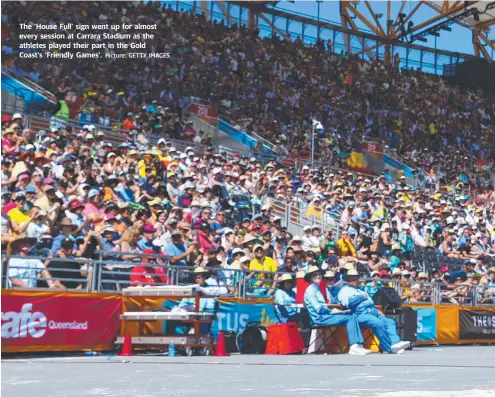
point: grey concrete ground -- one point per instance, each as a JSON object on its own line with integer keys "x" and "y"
{"x": 424, "y": 372}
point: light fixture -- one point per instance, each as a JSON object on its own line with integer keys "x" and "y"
{"x": 378, "y": 16}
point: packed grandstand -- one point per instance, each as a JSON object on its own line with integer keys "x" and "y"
{"x": 82, "y": 212}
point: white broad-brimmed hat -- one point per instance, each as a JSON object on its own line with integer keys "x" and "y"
{"x": 285, "y": 277}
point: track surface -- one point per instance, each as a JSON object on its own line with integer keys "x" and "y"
{"x": 424, "y": 372}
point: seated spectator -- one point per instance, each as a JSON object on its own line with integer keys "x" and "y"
{"x": 263, "y": 275}
{"x": 66, "y": 271}
{"x": 147, "y": 241}
{"x": 178, "y": 251}
{"x": 146, "y": 274}
{"x": 373, "y": 286}
{"x": 25, "y": 272}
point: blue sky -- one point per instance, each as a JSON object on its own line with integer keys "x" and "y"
{"x": 460, "y": 39}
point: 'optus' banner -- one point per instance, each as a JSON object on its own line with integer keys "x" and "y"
{"x": 58, "y": 321}
{"x": 233, "y": 316}
{"x": 427, "y": 324}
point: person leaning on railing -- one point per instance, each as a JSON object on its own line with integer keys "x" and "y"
{"x": 263, "y": 272}
{"x": 146, "y": 274}
{"x": 420, "y": 291}
{"x": 66, "y": 269}
{"x": 24, "y": 272}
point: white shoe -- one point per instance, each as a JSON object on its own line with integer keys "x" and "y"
{"x": 366, "y": 350}
{"x": 400, "y": 346}
{"x": 398, "y": 351}
{"x": 357, "y": 350}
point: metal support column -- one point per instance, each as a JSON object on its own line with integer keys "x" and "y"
{"x": 318, "y": 28}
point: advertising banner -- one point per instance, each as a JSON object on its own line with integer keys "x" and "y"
{"x": 233, "y": 316}
{"x": 427, "y": 324}
{"x": 476, "y": 324}
{"x": 372, "y": 147}
{"x": 59, "y": 321}
{"x": 238, "y": 135}
{"x": 205, "y": 113}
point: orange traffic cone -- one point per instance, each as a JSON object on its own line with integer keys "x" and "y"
{"x": 220, "y": 350}
{"x": 127, "y": 346}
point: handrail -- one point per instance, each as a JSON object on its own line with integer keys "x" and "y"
{"x": 98, "y": 273}
{"x": 30, "y": 84}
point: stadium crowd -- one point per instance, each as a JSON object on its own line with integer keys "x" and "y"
{"x": 69, "y": 192}
{"x": 269, "y": 86}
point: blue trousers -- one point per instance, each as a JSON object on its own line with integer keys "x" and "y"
{"x": 384, "y": 328}
{"x": 349, "y": 320}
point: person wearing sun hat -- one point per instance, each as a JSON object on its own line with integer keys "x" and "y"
{"x": 284, "y": 297}
{"x": 420, "y": 292}
{"x": 330, "y": 277}
{"x": 360, "y": 304}
{"x": 24, "y": 272}
{"x": 205, "y": 304}
{"x": 321, "y": 315}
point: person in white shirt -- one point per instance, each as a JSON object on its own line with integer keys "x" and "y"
{"x": 24, "y": 272}
{"x": 40, "y": 226}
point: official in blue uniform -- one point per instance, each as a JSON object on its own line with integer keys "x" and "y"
{"x": 367, "y": 315}
{"x": 205, "y": 304}
{"x": 320, "y": 313}
{"x": 332, "y": 290}
{"x": 285, "y": 299}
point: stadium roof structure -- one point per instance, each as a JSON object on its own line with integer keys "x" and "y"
{"x": 396, "y": 27}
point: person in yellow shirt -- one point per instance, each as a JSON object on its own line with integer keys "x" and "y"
{"x": 432, "y": 128}
{"x": 346, "y": 246}
{"x": 314, "y": 209}
{"x": 17, "y": 215}
{"x": 263, "y": 283}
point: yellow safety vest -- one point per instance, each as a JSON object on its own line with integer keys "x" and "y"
{"x": 64, "y": 110}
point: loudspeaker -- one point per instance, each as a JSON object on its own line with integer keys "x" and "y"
{"x": 406, "y": 319}
{"x": 388, "y": 298}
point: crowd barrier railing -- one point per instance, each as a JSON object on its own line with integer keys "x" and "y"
{"x": 294, "y": 216}
{"x": 113, "y": 275}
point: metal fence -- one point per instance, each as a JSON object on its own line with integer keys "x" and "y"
{"x": 294, "y": 216}
{"x": 112, "y": 275}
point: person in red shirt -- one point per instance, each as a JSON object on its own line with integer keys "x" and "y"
{"x": 142, "y": 275}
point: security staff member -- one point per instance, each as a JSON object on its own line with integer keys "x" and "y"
{"x": 320, "y": 314}
{"x": 367, "y": 315}
{"x": 63, "y": 109}
{"x": 284, "y": 298}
